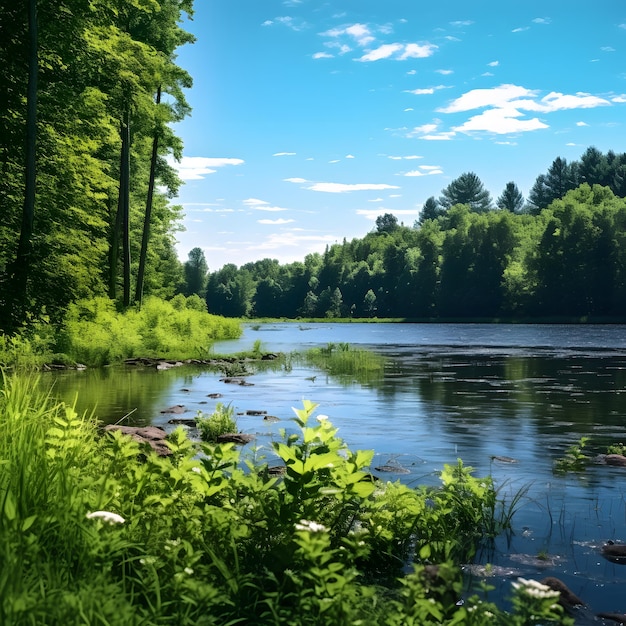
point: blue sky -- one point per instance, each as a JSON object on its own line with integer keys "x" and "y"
{"x": 312, "y": 118}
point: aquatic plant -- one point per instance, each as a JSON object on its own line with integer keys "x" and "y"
{"x": 220, "y": 422}
{"x": 345, "y": 361}
{"x": 574, "y": 459}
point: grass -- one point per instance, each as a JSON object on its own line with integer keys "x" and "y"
{"x": 220, "y": 422}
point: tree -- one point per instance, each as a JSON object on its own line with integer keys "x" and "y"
{"x": 430, "y": 211}
{"x": 511, "y": 198}
{"x": 466, "y": 189}
{"x": 561, "y": 178}
{"x": 386, "y": 223}
{"x": 196, "y": 269}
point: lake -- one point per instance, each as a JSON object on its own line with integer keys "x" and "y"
{"x": 506, "y": 399}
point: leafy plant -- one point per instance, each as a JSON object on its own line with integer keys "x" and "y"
{"x": 221, "y": 421}
{"x": 574, "y": 459}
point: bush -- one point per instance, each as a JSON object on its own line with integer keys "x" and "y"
{"x": 220, "y": 422}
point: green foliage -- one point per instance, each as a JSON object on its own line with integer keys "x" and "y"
{"x": 346, "y": 362}
{"x": 221, "y": 421}
{"x": 617, "y": 448}
{"x": 96, "y": 334}
{"x": 95, "y": 529}
{"x": 574, "y": 459}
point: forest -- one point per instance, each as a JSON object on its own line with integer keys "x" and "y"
{"x": 92, "y": 90}
{"x": 560, "y": 255}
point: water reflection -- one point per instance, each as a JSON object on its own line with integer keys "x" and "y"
{"x": 469, "y": 391}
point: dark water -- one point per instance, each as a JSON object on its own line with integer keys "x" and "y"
{"x": 473, "y": 392}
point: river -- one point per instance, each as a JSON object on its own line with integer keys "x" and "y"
{"x": 506, "y": 399}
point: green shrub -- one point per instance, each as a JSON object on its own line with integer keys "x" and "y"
{"x": 220, "y": 422}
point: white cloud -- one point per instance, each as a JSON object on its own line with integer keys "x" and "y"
{"x": 254, "y": 202}
{"x": 196, "y": 168}
{"x": 286, "y": 20}
{"x": 442, "y": 136}
{"x": 494, "y": 64}
{"x": 421, "y": 92}
{"x": 382, "y": 52}
{"x": 542, "y": 20}
{"x": 323, "y": 55}
{"x": 410, "y": 157}
{"x": 399, "y": 52}
{"x": 462, "y": 23}
{"x": 521, "y": 29}
{"x": 417, "y": 51}
{"x": 271, "y": 209}
{"x": 349, "y": 156}
{"x": 295, "y": 180}
{"x": 477, "y": 98}
{"x": 607, "y": 49}
{"x": 279, "y": 154}
{"x": 619, "y": 99}
{"x": 558, "y": 102}
{"x": 582, "y": 124}
{"x": 502, "y": 120}
{"x": 359, "y": 32}
{"x": 444, "y": 72}
{"x": 335, "y": 161}
{"x": 425, "y": 170}
{"x": 344, "y": 188}
{"x": 424, "y": 129}
{"x": 277, "y": 222}
{"x": 376, "y": 200}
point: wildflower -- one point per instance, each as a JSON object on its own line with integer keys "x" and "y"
{"x": 188, "y": 571}
{"x": 106, "y": 516}
{"x": 197, "y": 470}
{"x": 535, "y": 589}
{"x": 313, "y": 527}
{"x": 322, "y": 418}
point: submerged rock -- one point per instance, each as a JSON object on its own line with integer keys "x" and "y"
{"x": 238, "y": 438}
{"x": 392, "y": 469}
{"x": 177, "y": 409}
{"x": 614, "y": 552}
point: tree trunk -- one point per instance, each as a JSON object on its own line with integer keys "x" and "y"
{"x": 126, "y": 205}
{"x": 20, "y": 271}
{"x": 146, "y": 222}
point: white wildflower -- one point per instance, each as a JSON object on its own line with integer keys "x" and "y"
{"x": 310, "y": 526}
{"x": 106, "y": 516}
{"x": 197, "y": 470}
{"x": 535, "y": 589}
{"x": 188, "y": 571}
{"x": 322, "y": 418}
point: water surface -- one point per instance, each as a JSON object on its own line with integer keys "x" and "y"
{"x": 471, "y": 391}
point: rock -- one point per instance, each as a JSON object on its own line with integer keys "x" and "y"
{"x": 395, "y": 469}
{"x": 615, "y": 459}
{"x": 151, "y": 435}
{"x": 183, "y": 422}
{"x": 271, "y": 418}
{"x": 214, "y": 395}
{"x": 167, "y": 365}
{"x": 177, "y": 409}
{"x": 232, "y": 380}
{"x": 238, "y": 438}
{"x": 620, "y": 618}
{"x": 567, "y": 598}
{"x": 256, "y": 412}
{"x": 503, "y": 459}
{"x": 614, "y": 552}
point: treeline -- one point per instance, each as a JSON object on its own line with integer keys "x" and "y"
{"x": 568, "y": 259}
{"x": 90, "y": 90}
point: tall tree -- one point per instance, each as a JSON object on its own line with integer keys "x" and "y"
{"x": 466, "y": 189}
{"x": 430, "y": 211}
{"x": 386, "y": 223}
{"x": 19, "y": 278}
{"x": 196, "y": 269}
{"x": 511, "y": 199}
